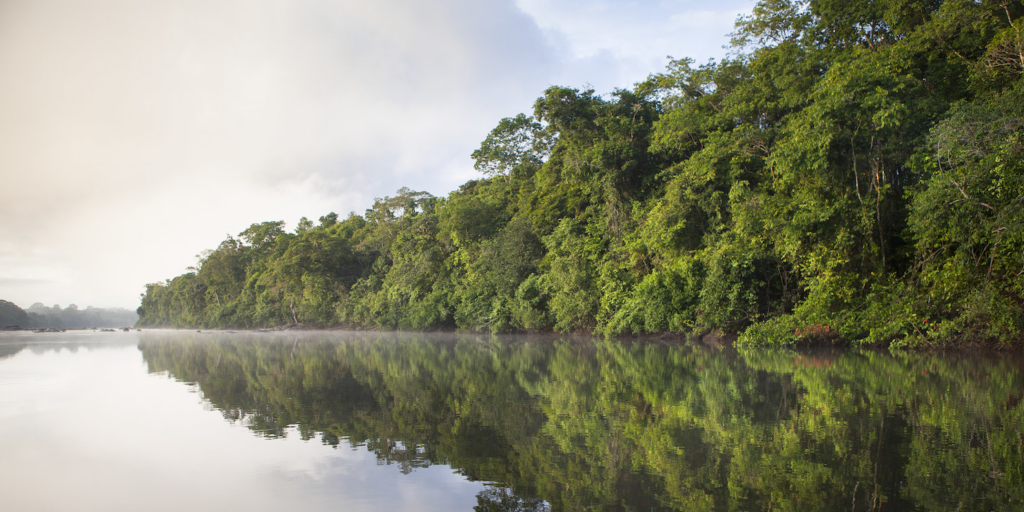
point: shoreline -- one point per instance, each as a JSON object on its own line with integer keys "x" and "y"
{"x": 711, "y": 339}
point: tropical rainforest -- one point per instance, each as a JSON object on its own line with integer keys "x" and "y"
{"x": 555, "y": 424}
{"x": 850, "y": 173}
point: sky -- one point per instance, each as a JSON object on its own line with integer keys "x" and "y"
{"x": 134, "y": 135}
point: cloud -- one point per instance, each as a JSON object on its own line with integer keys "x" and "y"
{"x": 635, "y": 35}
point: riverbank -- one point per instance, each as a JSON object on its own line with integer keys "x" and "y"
{"x": 713, "y": 339}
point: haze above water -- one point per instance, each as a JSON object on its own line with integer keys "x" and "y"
{"x": 168, "y": 420}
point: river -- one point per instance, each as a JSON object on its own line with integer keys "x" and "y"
{"x": 185, "y": 420}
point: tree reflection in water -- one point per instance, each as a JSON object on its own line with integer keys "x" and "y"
{"x": 573, "y": 425}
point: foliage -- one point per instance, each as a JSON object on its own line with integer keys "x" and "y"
{"x": 851, "y": 173}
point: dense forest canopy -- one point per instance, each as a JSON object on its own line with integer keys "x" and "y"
{"x": 851, "y": 172}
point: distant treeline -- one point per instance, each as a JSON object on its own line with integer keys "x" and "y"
{"x": 39, "y": 316}
{"x": 853, "y": 171}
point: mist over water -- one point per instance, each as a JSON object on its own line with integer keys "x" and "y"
{"x": 375, "y": 421}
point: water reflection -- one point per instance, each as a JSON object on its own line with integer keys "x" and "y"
{"x": 11, "y": 349}
{"x": 12, "y": 343}
{"x": 575, "y": 425}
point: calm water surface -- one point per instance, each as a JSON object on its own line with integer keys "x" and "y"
{"x": 342, "y": 421}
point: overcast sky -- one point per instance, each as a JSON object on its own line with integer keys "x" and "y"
{"x": 134, "y": 135}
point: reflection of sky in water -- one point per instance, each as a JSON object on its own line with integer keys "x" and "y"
{"x": 85, "y": 427}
